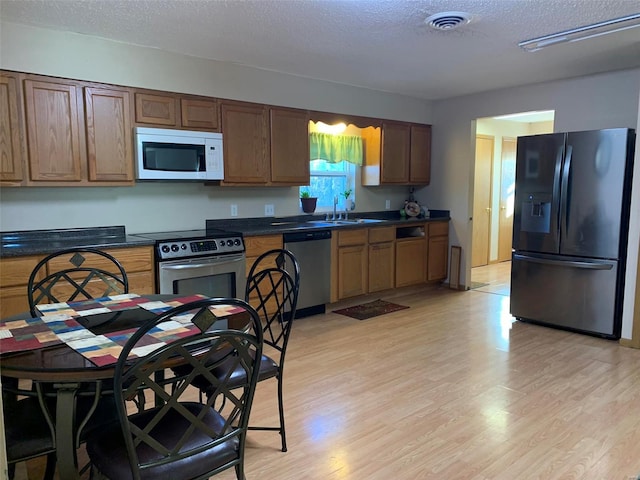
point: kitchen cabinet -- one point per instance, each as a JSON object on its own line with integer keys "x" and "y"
{"x": 398, "y": 154}
{"x": 254, "y": 247}
{"x": 352, "y": 260}
{"x": 12, "y": 138}
{"x": 381, "y": 258}
{"x": 53, "y": 114}
{"x": 289, "y": 146}
{"x": 245, "y": 127}
{"x": 411, "y": 255}
{"x": 420, "y": 155}
{"x": 13, "y": 283}
{"x": 137, "y": 262}
{"x": 438, "y": 249}
{"x": 172, "y": 110}
{"x": 78, "y": 133}
{"x": 109, "y": 138}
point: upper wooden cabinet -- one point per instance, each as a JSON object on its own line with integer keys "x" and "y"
{"x": 77, "y": 133}
{"x": 420, "y": 163}
{"x": 395, "y": 154}
{"x": 289, "y": 146}
{"x": 399, "y": 154}
{"x": 245, "y": 127}
{"x": 173, "y": 110}
{"x": 109, "y": 137}
{"x": 12, "y": 146}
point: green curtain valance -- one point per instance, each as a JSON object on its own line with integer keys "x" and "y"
{"x": 335, "y": 148}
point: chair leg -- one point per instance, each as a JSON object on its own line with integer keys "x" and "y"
{"x": 281, "y": 409}
{"x": 51, "y": 467}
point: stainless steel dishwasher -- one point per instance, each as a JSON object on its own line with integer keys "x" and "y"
{"x": 313, "y": 251}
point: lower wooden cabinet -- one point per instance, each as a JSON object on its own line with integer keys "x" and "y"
{"x": 352, "y": 262}
{"x": 382, "y": 260}
{"x": 254, "y": 247}
{"x": 137, "y": 262}
{"x": 437, "y": 259}
{"x": 411, "y": 261}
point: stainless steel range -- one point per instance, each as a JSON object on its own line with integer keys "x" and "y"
{"x": 211, "y": 262}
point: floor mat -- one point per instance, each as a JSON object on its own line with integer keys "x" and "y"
{"x": 371, "y": 309}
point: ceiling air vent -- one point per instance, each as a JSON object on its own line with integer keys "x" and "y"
{"x": 447, "y": 20}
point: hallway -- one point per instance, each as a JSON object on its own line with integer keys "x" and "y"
{"x": 493, "y": 278}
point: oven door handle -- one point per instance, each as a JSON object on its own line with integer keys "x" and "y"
{"x": 199, "y": 265}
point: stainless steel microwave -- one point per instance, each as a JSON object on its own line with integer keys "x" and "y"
{"x": 163, "y": 154}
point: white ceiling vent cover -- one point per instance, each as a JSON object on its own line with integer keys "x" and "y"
{"x": 447, "y": 20}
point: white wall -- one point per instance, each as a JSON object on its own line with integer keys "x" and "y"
{"x": 175, "y": 206}
{"x": 599, "y": 101}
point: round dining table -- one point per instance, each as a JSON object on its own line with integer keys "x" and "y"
{"x": 68, "y": 372}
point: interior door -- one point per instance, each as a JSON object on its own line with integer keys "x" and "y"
{"x": 482, "y": 201}
{"x": 507, "y": 197}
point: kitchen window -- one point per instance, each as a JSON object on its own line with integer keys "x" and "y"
{"x": 334, "y": 159}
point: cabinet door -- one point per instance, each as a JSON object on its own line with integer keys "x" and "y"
{"x": 420, "y": 165}
{"x": 109, "y": 135}
{"x": 52, "y": 112}
{"x": 246, "y": 143}
{"x": 395, "y": 153}
{"x": 410, "y": 262}
{"x": 437, "y": 266}
{"x": 200, "y": 114}
{"x": 353, "y": 271}
{"x": 156, "y": 109}
{"x": 289, "y": 146}
{"x": 13, "y": 283}
{"x": 11, "y": 134}
{"x": 382, "y": 266}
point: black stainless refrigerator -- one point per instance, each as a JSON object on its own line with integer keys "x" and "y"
{"x": 570, "y": 229}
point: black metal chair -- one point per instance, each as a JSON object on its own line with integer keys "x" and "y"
{"x": 75, "y": 274}
{"x": 63, "y": 276}
{"x": 29, "y": 421}
{"x": 180, "y": 438}
{"x": 273, "y": 292}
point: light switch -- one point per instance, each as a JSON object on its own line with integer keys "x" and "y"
{"x": 269, "y": 210}
{"x": 234, "y": 210}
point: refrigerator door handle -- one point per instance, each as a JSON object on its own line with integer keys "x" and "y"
{"x": 566, "y": 194}
{"x": 565, "y": 263}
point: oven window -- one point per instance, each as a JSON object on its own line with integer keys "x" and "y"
{"x": 173, "y": 157}
{"x": 222, "y": 285}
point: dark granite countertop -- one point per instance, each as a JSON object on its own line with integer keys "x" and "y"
{"x": 40, "y": 242}
{"x": 271, "y": 225}
{"x": 37, "y": 242}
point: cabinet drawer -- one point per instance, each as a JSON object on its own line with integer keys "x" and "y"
{"x": 382, "y": 234}
{"x": 259, "y": 244}
{"x": 438, "y": 228}
{"x": 352, "y": 237}
{"x": 16, "y": 271}
{"x": 135, "y": 259}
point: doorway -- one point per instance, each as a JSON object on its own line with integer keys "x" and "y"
{"x": 494, "y": 184}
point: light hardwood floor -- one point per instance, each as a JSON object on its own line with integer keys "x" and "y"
{"x": 450, "y": 388}
{"x": 494, "y": 278}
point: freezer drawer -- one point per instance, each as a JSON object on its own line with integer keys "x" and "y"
{"x": 567, "y": 292}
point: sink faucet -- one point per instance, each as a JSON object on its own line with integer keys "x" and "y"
{"x": 335, "y": 206}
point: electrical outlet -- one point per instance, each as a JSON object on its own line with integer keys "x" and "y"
{"x": 387, "y": 204}
{"x": 269, "y": 211}
{"x": 234, "y": 210}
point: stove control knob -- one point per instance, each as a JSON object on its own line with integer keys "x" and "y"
{"x": 222, "y": 243}
{"x": 236, "y": 242}
{"x": 230, "y": 243}
{"x": 183, "y": 246}
{"x": 174, "y": 248}
{"x": 165, "y": 249}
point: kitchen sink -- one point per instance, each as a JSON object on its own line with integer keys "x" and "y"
{"x": 349, "y": 221}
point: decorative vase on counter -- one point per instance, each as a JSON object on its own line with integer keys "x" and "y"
{"x": 309, "y": 204}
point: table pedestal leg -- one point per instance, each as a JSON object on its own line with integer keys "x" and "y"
{"x": 65, "y": 431}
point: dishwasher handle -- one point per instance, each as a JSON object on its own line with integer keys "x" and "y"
{"x": 295, "y": 237}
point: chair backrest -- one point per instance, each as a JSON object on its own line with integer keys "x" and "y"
{"x": 75, "y": 274}
{"x": 272, "y": 289}
{"x": 178, "y": 428}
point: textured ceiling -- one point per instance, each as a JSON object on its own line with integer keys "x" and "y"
{"x": 379, "y": 44}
